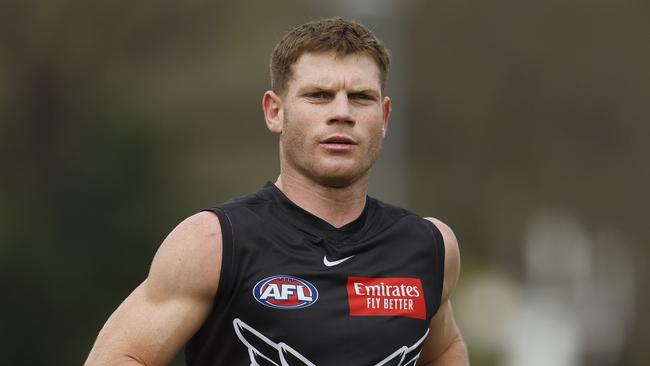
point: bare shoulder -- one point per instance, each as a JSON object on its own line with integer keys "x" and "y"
{"x": 161, "y": 314}
{"x": 451, "y": 243}
{"x": 189, "y": 259}
{"x": 452, "y": 257}
{"x": 201, "y": 224}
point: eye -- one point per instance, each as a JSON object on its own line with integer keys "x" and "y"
{"x": 361, "y": 96}
{"x": 319, "y": 95}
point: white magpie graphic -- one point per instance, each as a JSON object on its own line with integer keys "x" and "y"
{"x": 263, "y": 351}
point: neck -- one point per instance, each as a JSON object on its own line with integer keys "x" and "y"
{"x": 337, "y": 206}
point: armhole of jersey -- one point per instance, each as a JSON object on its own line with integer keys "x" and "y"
{"x": 226, "y": 276}
{"x": 439, "y": 248}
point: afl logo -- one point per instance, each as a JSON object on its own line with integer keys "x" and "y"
{"x": 285, "y": 292}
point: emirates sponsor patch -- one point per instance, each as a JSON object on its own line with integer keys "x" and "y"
{"x": 391, "y": 296}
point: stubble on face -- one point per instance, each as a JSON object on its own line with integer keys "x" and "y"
{"x": 299, "y": 150}
{"x": 306, "y": 123}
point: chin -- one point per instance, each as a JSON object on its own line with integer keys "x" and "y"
{"x": 337, "y": 179}
{"x": 335, "y": 182}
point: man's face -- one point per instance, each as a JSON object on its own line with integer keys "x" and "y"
{"x": 333, "y": 118}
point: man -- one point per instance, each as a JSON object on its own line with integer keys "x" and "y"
{"x": 309, "y": 270}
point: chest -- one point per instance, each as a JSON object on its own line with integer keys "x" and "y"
{"x": 320, "y": 301}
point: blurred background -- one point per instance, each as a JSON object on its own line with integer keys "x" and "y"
{"x": 522, "y": 124}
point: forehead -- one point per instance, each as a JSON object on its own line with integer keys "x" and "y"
{"x": 331, "y": 70}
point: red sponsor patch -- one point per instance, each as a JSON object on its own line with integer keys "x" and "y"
{"x": 394, "y": 296}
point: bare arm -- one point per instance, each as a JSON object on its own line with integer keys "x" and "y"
{"x": 161, "y": 314}
{"x": 444, "y": 345}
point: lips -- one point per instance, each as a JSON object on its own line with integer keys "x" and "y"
{"x": 338, "y": 140}
{"x": 338, "y": 144}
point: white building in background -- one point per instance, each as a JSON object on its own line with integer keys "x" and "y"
{"x": 575, "y": 302}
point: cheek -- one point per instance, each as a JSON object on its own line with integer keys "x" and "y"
{"x": 290, "y": 137}
{"x": 375, "y": 131}
{"x": 299, "y": 126}
{"x": 294, "y": 136}
{"x": 375, "y": 138}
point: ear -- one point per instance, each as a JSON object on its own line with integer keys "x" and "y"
{"x": 273, "y": 112}
{"x": 386, "y": 109}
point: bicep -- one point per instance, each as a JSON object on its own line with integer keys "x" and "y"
{"x": 147, "y": 330}
{"x": 161, "y": 314}
{"x": 443, "y": 332}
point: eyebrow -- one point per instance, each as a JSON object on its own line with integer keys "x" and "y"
{"x": 319, "y": 87}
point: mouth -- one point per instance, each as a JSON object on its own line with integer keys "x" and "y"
{"x": 338, "y": 144}
{"x": 336, "y": 140}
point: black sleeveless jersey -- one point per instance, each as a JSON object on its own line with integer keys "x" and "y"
{"x": 295, "y": 290}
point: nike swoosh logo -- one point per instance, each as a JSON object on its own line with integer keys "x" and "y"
{"x": 334, "y": 263}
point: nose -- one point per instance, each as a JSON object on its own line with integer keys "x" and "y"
{"x": 340, "y": 111}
